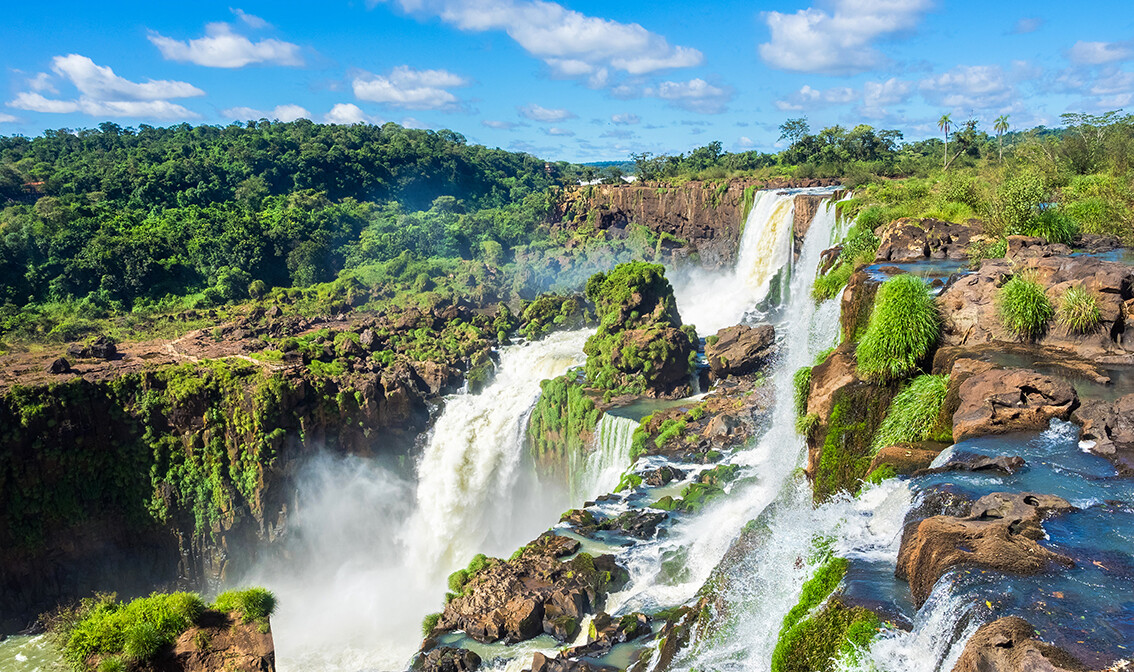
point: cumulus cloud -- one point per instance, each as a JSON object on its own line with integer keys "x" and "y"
{"x": 571, "y": 43}
{"x": 250, "y": 20}
{"x": 745, "y": 142}
{"x": 625, "y": 119}
{"x": 695, "y": 95}
{"x": 284, "y": 113}
{"x": 7, "y": 118}
{"x": 839, "y": 42}
{"x": 499, "y": 125}
{"x": 878, "y": 96}
{"x": 979, "y": 87}
{"x": 42, "y": 82}
{"x": 410, "y": 88}
{"x": 555, "y": 130}
{"x": 808, "y": 98}
{"x": 221, "y": 47}
{"x": 1027, "y": 25}
{"x": 102, "y": 93}
{"x": 348, "y": 114}
{"x": 1099, "y": 53}
{"x": 545, "y": 115}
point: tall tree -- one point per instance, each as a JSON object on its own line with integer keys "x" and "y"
{"x": 1001, "y": 127}
{"x": 945, "y": 123}
{"x": 794, "y": 130}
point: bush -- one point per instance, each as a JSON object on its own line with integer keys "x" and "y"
{"x": 904, "y": 327}
{"x": 913, "y": 414}
{"x": 1024, "y": 308}
{"x": 138, "y": 629}
{"x": 253, "y": 604}
{"x": 987, "y": 249}
{"x": 1017, "y": 201}
{"x": 429, "y": 623}
{"x": 1078, "y": 311}
{"x": 1051, "y": 225}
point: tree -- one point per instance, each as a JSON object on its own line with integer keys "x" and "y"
{"x": 794, "y": 130}
{"x": 944, "y": 123}
{"x": 1001, "y": 127}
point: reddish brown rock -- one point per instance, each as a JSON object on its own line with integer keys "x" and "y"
{"x": 999, "y": 533}
{"x": 1010, "y": 645}
{"x": 857, "y": 304}
{"x": 997, "y": 401}
{"x": 740, "y": 350}
{"x": 541, "y": 663}
{"x": 221, "y": 642}
{"x": 905, "y": 458}
{"x": 906, "y": 240}
{"x": 1108, "y": 430}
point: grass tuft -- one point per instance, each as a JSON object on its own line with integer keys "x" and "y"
{"x": 137, "y": 630}
{"x": 1078, "y": 311}
{"x": 253, "y": 604}
{"x": 1024, "y": 308}
{"x": 801, "y": 382}
{"x": 913, "y": 414}
{"x": 904, "y": 327}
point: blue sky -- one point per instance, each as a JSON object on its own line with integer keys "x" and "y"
{"x": 575, "y": 80}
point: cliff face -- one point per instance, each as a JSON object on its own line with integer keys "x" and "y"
{"x": 705, "y": 218}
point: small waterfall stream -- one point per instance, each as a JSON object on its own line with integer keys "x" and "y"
{"x": 609, "y": 457}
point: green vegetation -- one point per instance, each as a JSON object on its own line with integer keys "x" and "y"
{"x": 805, "y": 425}
{"x": 640, "y": 338}
{"x": 820, "y": 631}
{"x": 858, "y": 248}
{"x": 460, "y": 578}
{"x": 846, "y": 453}
{"x": 562, "y": 421}
{"x": 914, "y": 414}
{"x": 120, "y": 635}
{"x": 1078, "y": 311}
{"x": 1023, "y": 307}
{"x": 801, "y": 385}
{"x": 904, "y": 327}
{"x": 429, "y": 623}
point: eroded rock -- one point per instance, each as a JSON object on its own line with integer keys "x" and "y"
{"x": 740, "y": 349}
{"x": 449, "y": 659}
{"x": 221, "y": 642}
{"x": 996, "y": 401}
{"x": 1010, "y": 645}
{"x": 1001, "y": 464}
{"x": 1108, "y": 430}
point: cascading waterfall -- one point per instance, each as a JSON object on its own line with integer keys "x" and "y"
{"x": 368, "y": 550}
{"x": 608, "y": 458}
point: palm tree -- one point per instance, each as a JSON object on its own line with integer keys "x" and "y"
{"x": 1001, "y": 127}
{"x": 945, "y": 123}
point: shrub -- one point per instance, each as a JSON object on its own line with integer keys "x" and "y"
{"x": 253, "y": 604}
{"x": 987, "y": 249}
{"x": 904, "y": 326}
{"x": 429, "y": 623}
{"x": 1051, "y": 225}
{"x": 138, "y": 629}
{"x": 1078, "y": 311}
{"x": 1017, "y": 201}
{"x": 1023, "y": 307}
{"x": 913, "y": 414}
{"x": 801, "y": 381}
{"x": 828, "y": 286}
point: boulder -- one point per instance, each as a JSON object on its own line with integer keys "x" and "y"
{"x": 1001, "y": 464}
{"x": 663, "y": 475}
{"x": 740, "y": 350}
{"x": 904, "y": 458}
{"x": 369, "y": 340}
{"x": 541, "y": 663}
{"x": 857, "y": 303}
{"x": 1108, "y": 430}
{"x": 606, "y": 632}
{"x": 1010, "y": 645}
{"x": 999, "y": 533}
{"x": 449, "y": 659}
{"x": 58, "y": 366}
{"x": 997, "y": 401}
{"x": 902, "y": 241}
{"x": 103, "y": 347}
{"x": 221, "y": 642}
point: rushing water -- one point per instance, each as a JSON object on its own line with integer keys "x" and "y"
{"x": 369, "y": 550}
{"x": 608, "y": 458}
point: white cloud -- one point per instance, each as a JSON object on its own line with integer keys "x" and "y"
{"x": 1098, "y": 53}
{"x": 969, "y": 87}
{"x": 499, "y": 125}
{"x": 555, "y": 130}
{"x": 877, "y": 96}
{"x": 745, "y": 142}
{"x": 252, "y": 21}
{"x": 284, "y": 113}
{"x": 42, "y": 82}
{"x": 625, "y": 119}
{"x": 348, "y": 114}
{"x": 7, "y": 118}
{"x": 104, "y": 94}
{"x": 411, "y": 89}
{"x": 571, "y": 43}
{"x": 695, "y": 95}
{"x": 223, "y": 48}
{"x": 620, "y": 133}
{"x": 1027, "y": 25}
{"x": 410, "y": 122}
{"x": 545, "y": 115}
{"x": 837, "y": 42}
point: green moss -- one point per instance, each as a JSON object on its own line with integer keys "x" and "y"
{"x": 1023, "y": 307}
{"x": 560, "y": 424}
{"x": 628, "y": 482}
{"x": 801, "y": 385}
{"x": 670, "y": 429}
{"x": 914, "y": 414}
{"x": 904, "y": 328}
{"x": 881, "y": 473}
{"x": 1078, "y": 311}
{"x": 829, "y": 285}
{"x": 846, "y": 452}
{"x": 805, "y": 425}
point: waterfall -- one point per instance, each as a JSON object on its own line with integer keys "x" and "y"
{"x": 712, "y": 301}
{"x": 608, "y": 458}
{"x": 368, "y": 550}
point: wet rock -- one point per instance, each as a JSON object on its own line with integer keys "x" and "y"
{"x": 58, "y": 366}
{"x": 449, "y": 659}
{"x": 639, "y": 524}
{"x": 999, "y": 533}
{"x": 1010, "y": 645}
{"x": 1108, "y": 430}
{"x": 904, "y": 458}
{"x": 740, "y": 349}
{"x": 857, "y": 302}
{"x": 579, "y": 519}
{"x": 906, "y": 240}
{"x": 606, "y": 632}
{"x": 997, "y": 401}
{"x": 663, "y": 475}
{"x": 535, "y": 592}
{"x": 541, "y": 663}
{"x": 1001, "y": 464}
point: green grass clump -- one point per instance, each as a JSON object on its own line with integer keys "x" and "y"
{"x": 429, "y": 623}
{"x": 828, "y": 286}
{"x": 801, "y": 383}
{"x": 904, "y": 327}
{"x": 1078, "y": 311}
{"x": 137, "y": 630}
{"x": 805, "y": 424}
{"x": 1024, "y": 308}
{"x": 253, "y": 604}
{"x": 913, "y": 414}
{"x": 1051, "y": 225}
{"x": 987, "y": 249}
